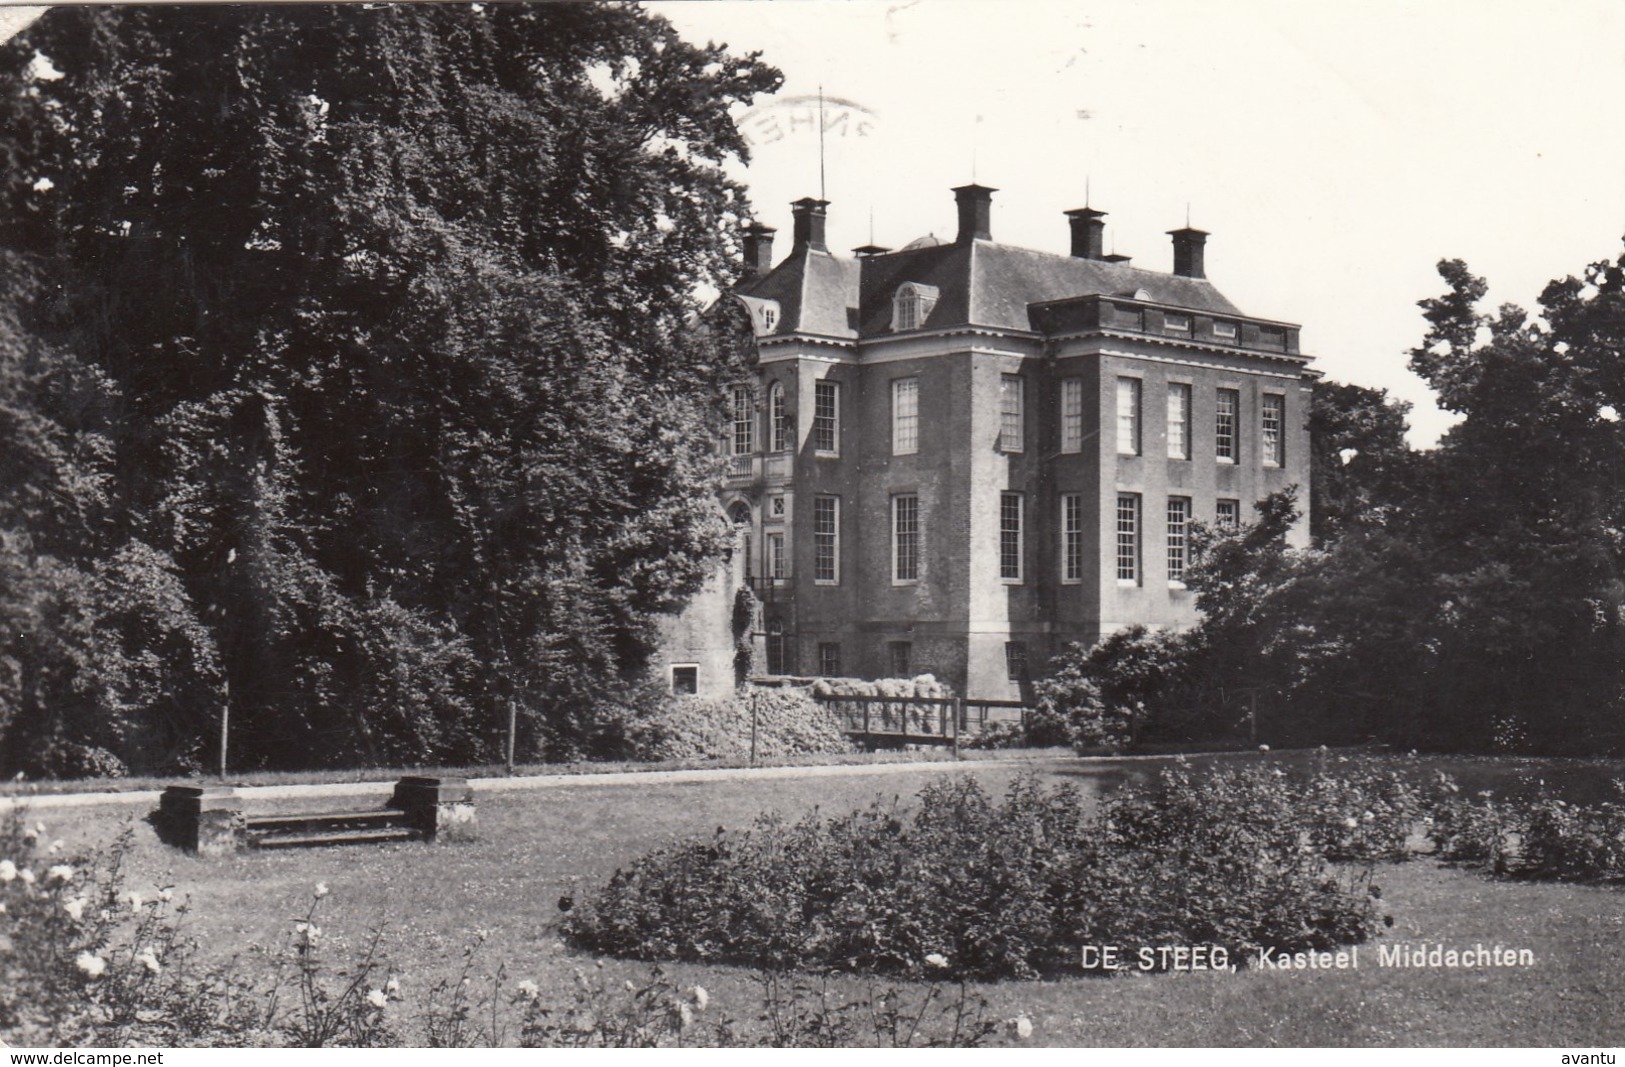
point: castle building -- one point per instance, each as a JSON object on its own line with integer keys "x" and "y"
{"x": 956, "y": 457}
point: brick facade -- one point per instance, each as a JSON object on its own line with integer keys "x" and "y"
{"x": 1000, "y": 316}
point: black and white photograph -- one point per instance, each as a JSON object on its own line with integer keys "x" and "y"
{"x": 811, "y": 524}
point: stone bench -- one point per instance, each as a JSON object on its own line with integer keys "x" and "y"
{"x": 209, "y": 819}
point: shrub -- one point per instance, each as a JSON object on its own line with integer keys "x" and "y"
{"x": 1068, "y": 709}
{"x": 1221, "y": 858}
{"x": 1123, "y": 689}
{"x": 788, "y": 723}
{"x": 1361, "y": 809}
{"x": 71, "y": 968}
{"x": 1544, "y": 837}
{"x": 992, "y": 890}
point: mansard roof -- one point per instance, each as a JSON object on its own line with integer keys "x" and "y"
{"x": 981, "y": 284}
{"x": 816, "y": 290}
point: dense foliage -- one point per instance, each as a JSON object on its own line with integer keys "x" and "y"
{"x": 349, "y": 374}
{"x": 1234, "y": 857}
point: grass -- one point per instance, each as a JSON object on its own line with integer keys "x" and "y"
{"x": 537, "y": 846}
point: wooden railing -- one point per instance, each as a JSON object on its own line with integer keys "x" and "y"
{"x": 929, "y": 719}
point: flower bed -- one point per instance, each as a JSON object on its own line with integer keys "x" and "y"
{"x": 1231, "y": 858}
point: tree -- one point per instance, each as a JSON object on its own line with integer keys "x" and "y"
{"x": 1524, "y": 513}
{"x": 1360, "y": 465}
{"x": 397, "y": 304}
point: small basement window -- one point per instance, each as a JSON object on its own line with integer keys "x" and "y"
{"x": 685, "y": 679}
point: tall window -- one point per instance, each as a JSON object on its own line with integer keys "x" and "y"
{"x": 826, "y": 540}
{"x": 1015, "y": 661}
{"x": 829, "y": 659}
{"x": 744, "y": 418}
{"x": 1179, "y": 420}
{"x": 1011, "y": 438}
{"x": 1179, "y": 518}
{"x": 1071, "y": 414}
{"x": 1128, "y": 416}
{"x": 1010, "y": 537}
{"x": 778, "y": 566}
{"x": 779, "y": 416}
{"x": 1227, "y": 514}
{"x": 905, "y": 516}
{"x": 1224, "y": 426}
{"x": 905, "y": 416}
{"x": 826, "y": 429}
{"x": 1272, "y": 420}
{"x": 1128, "y": 538}
{"x": 1071, "y": 537}
{"x": 902, "y": 655}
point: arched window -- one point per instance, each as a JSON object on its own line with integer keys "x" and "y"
{"x": 912, "y": 305}
{"x": 783, "y": 432}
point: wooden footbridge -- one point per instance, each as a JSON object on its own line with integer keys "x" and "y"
{"x": 882, "y": 720}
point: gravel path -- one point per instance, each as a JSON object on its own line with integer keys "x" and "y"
{"x": 527, "y": 782}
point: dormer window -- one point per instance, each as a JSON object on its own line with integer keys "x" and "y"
{"x": 911, "y": 305}
{"x": 764, "y": 314}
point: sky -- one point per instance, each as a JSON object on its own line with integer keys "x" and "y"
{"x": 1336, "y": 152}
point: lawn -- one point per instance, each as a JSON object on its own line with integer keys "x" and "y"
{"x": 537, "y": 846}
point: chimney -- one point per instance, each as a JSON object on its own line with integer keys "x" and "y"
{"x": 809, "y": 231}
{"x": 975, "y": 210}
{"x": 758, "y": 249}
{"x": 1188, "y": 245}
{"x": 1088, "y": 233}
